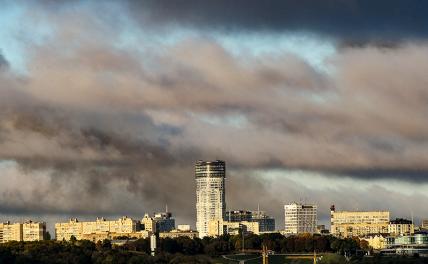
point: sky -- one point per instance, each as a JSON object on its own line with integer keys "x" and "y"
{"x": 106, "y": 105}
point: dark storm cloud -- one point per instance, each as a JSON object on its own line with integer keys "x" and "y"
{"x": 347, "y": 19}
{"x": 412, "y": 175}
{"x": 87, "y": 161}
{"x": 3, "y": 62}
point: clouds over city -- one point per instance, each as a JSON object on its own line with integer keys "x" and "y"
{"x": 110, "y": 114}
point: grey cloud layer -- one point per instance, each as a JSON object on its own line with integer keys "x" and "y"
{"x": 354, "y": 20}
{"x": 111, "y": 130}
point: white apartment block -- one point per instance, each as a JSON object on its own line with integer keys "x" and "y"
{"x": 210, "y": 194}
{"x": 300, "y": 218}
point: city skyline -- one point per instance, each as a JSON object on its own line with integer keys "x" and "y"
{"x": 106, "y": 105}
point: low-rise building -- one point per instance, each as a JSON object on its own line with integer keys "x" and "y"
{"x": 358, "y": 223}
{"x": 419, "y": 240}
{"x": 94, "y": 237}
{"x": 179, "y": 233}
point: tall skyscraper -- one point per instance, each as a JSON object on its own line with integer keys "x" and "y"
{"x": 210, "y": 193}
{"x": 300, "y": 218}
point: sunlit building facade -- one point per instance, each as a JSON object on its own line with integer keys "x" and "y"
{"x": 401, "y": 227}
{"x": 300, "y": 218}
{"x": 27, "y": 231}
{"x": 33, "y": 231}
{"x": 101, "y": 226}
{"x": 358, "y": 223}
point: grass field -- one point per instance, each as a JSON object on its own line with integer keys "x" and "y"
{"x": 255, "y": 259}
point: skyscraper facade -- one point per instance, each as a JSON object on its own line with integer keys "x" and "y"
{"x": 210, "y": 193}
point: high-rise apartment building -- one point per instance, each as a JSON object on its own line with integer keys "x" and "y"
{"x": 300, "y": 218}
{"x": 356, "y": 223}
{"x": 10, "y": 232}
{"x": 64, "y": 231}
{"x": 210, "y": 193}
{"x": 33, "y": 231}
{"x": 27, "y": 231}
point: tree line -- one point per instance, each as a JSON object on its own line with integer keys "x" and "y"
{"x": 176, "y": 250}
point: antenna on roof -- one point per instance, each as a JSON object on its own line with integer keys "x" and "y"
{"x": 166, "y": 208}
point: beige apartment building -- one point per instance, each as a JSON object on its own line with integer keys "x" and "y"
{"x": 33, "y": 231}
{"x": 358, "y": 223}
{"x": 27, "y": 231}
{"x": 64, "y": 231}
{"x": 220, "y": 227}
{"x": 10, "y": 232}
{"x": 100, "y": 227}
{"x": 149, "y": 223}
{"x": 399, "y": 227}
